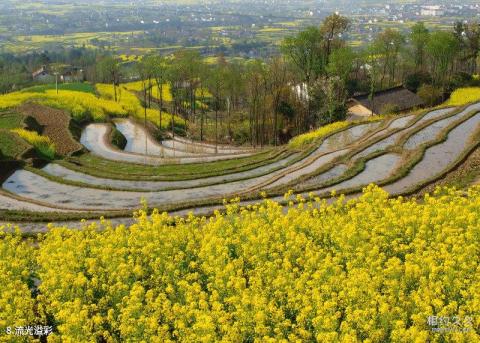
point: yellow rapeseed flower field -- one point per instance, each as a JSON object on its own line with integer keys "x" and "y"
{"x": 80, "y": 104}
{"x": 464, "y": 96}
{"x": 310, "y": 137}
{"x": 15, "y": 99}
{"x": 372, "y": 269}
{"x": 85, "y": 106}
{"x": 42, "y": 144}
{"x": 137, "y": 86}
{"x": 132, "y": 105}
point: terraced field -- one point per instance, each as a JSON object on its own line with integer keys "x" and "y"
{"x": 402, "y": 154}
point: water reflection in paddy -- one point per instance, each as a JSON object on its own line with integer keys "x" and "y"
{"x": 438, "y": 157}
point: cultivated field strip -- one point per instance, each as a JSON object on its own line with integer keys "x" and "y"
{"x": 382, "y": 149}
{"x": 433, "y": 130}
{"x": 419, "y": 132}
{"x": 71, "y": 175}
{"x": 38, "y": 188}
{"x": 139, "y": 141}
{"x": 103, "y": 168}
{"x": 435, "y": 161}
{"x": 376, "y": 170}
{"x": 94, "y": 138}
{"x": 225, "y": 149}
{"x": 256, "y": 175}
{"x": 438, "y": 157}
{"x": 390, "y": 140}
{"x": 11, "y": 204}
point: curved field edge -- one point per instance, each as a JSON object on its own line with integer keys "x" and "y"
{"x": 300, "y": 157}
{"x": 240, "y": 149}
{"x": 205, "y": 203}
{"x": 410, "y": 159}
{"x": 131, "y": 171}
{"x": 185, "y": 172}
{"x": 153, "y": 159}
{"x": 404, "y": 170}
{"x": 361, "y": 145}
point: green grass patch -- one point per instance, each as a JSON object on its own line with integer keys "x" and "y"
{"x": 10, "y": 121}
{"x": 77, "y": 87}
{"x": 117, "y": 138}
{"x": 11, "y": 146}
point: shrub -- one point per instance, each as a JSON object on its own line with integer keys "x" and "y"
{"x": 415, "y": 80}
{"x": 118, "y": 139}
{"x": 390, "y": 109}
{"x": 461, "y": 79}
{"x": 430, "y": 94}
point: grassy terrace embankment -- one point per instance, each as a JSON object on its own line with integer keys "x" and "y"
{"x": 358, "y": 157}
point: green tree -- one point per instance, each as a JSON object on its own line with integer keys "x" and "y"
{"x": 216, "y": 85}
{"x": 160, "y": 75}
{"x": 255, "y": 94}
{"x": 442, "y": 48}
{"x": 331, "y": 94}
{"x": 278, "y": 87}
{"x": 305, "y": 52}
{"x": 144, "y": 71}
{"x": 109, "y": 71}
{"x": 372, "y": 68}
{"x": 234, "y": 88}
{"x": 332, "y": 30}
{"x": 419, "y": 37}
{"x": 188, "y": 64}
{"x": 469, "y": 39}
{"x": 388, "y": 45}
{"x": 341, "y": 63}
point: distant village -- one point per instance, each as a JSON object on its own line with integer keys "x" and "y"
{"x": 368, "y": 20}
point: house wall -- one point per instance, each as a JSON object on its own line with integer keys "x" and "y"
{"x": 359, "y": 110}
{"x": 44, "y": 78}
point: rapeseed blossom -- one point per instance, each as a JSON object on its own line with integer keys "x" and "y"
{"x": 373, "y": 269}
{"x": 42, "y": 144}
